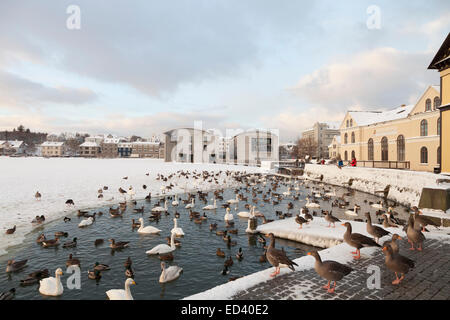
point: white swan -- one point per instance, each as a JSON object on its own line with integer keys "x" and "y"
{"x": 163, "y": 248}
{"x": 311, "y": 204}
{"x": 211, "y": 206}
{"x": 190, "y": 205}
{"x": 352, "y": 212}
{"x": 147, "y": 229}
{"x": 86, "y": 222}
{"x": 228, "y": 216}
{"x": 52, "y": 286}
{"x": 160, "y": 209}
{"x": 175, "y": 203}
{"x": 247, "y": 214}
{"x": 169, "y": 274}
{"x": 177, "y": 230}
{"x": 377, "y": 205}
{"x": 121, "y": 294}
{"x": 234, "y": 201}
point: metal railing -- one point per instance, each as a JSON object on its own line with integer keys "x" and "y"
{"x": 384, "y": 164}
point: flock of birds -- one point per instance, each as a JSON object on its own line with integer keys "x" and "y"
{"x": 254, "y": 184}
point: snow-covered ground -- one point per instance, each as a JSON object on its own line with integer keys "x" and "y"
{"x": 59, "y": 179}
{"x": 316, "y": 233}
{"x": 406, "y": 186}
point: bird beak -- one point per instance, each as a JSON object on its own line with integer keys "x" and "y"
{"x": 309, "y": 253}
{"x": 400, "y": 238}
{"x": 343, "y": 224}
{"x": 134, "y": 282}
{"x": 384, "y": 248}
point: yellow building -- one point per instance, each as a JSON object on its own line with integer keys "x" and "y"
{"x": 53, "y": 149}
{"x": 441, "y": 62}
{"x": 406, "y": 137}
{"x": 334, "y": 149}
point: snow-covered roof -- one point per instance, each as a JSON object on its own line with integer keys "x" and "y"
{"x": 145, "y": 143}
{"x": 12, "y": 143}
{"x": 365, "y": 118}
{"x": 437, "y": 88}
{"x": 52, "y": 144}
{"x": 89, "y": 144}
{"x": 333, "y": 124}
{"x": 112, "y": 140}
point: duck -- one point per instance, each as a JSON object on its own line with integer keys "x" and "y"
{"x": 122, "y": 294}
{"x": 225, "y": 271}
{"x": 357, "y": 240}
{"x": 52, "y": 286}
{"x": 397, "y": 263}
{"x": 213, "y": 226}
{"x": 278, "y": 258}
{"x": 86, "y": 222}
{"x": 8, "y": 295}
{"x": 128, "y": 263}
{"x": 66, "y": 219}
{"x": 98, "y": 242}
{"x": 50, "y": 242}
{"x": 220, "y": 253}
{"x": 169, "y": 274}
{"x": 175, "y": 203}
{"x": 101, "y": 267}
{"x": 352, "y": 212}
{"x": 34, "y": 277}
{"x": 229, "y": 242}
{"x": 139, "y": 210}
{"x": 11, "y": 231}
{"x": 228, "y": 262}
{"x": 393, "y": 242}
{"x": 94, "y": 275}
{"x": 119, "y": 244}
{"x": 420, "y": 222}
{"x": 240, "y": 255}
{"x": 378, "y": 205}
{"x": 228, "y": 216}
{"x": 375, "y": 231}
{"x": 414, "y": 235}
{"x": 61, "y": 234}
{"x": 177, "y": 230}
{"x": 300, "y": 220}
{"x": 14, "y": 265}
{"x": 38, "y": 195}
{"x": 387, "y": 223}
{"x": 177, "y": 242}
{"x": 331, "y": 219}
{"x": 166, "y": 257}
{"x": 70, "y": 244}
{"x": 148, "y": 229}
{"x": 72, "y": 261}
{"x": 41, "y": 238}
{"x": 135, "y": 224}
{"x": 330, "y": 270}
{"x": 129, "y": 273}
{"x": 163, "y": 248}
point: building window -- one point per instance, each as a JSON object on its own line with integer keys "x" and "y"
{"x": 423, "y": 128}
{"x": 428, "y": 105}
{"x": 439, "y": 126}
{"x": 345, "y": 138}
{"x": 345, "y": 156}
{"x": 423, "y": 155}
{"x": 351, "y": 122}
{"x": 347, "y": 123}
{"x": 384, "y": 149}
{"x": 437, "y": 103}
{"x": 353, "y": 154}
{"x": 400, "y": 148}
{"x": 439, "y": 155}
{"x": 353, "y": 137}
{"x": 370, "y": 149}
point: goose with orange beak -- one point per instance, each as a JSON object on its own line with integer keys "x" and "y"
{"x": 330, "y": 270}
{"x": 357, "y": 240}
{"x": 397, "y": 263}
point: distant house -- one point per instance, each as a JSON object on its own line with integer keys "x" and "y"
{"x": 53, "y": 149}
{"x": 124, "y": 149}
{"x": 322, "y": 134}
{"x": 145, "y": 149}
{"x": 89, "y": 149}
{"x": 110, "y": 147}
{"x": 10, "y": 147}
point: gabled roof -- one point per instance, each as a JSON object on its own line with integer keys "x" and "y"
{"x": 442, "y": 56}
{"x": 52, "y": 144}
{"x": 365, "y": 118}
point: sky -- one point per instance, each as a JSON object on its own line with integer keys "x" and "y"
{"x": 145, "y": 67}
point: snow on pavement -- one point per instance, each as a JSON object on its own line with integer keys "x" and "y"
{"x": 59, "y": 179}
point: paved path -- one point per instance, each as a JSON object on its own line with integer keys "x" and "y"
{"x": 430, "y": 279}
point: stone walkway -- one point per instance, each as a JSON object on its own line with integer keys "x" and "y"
{"x": 430, "y": 279}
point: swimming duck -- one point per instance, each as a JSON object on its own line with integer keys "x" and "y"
{"x": 120, "y": 294}
{"x": 166, "y": 257}
{"x": 129, "y": 273}
{"x": 34, "y": 277}
{"x": 119, "y": 244}
{"x": 52, "y": 286}
{"x": 70, "y": 244}
{"x": 169, "y": 274}
{"x": 240, "y": 255}
{"x": 94, "y": 275}
{"x": 8, "y": 295}
{"x": 66, "y": 219}
{"x": 228, "y": 262}
{"x": 134, "y": 224}
{"x": 330, "y": 270}
{"x": 101, "y": 267}
{"x": 14, "y": 266}
{"x": 50, "y": 242}
{"x": 220, "y": 253}
{"x": 41, "y": 238}
{"x": 225, "y": 271}
{"x": 177, "y": 242}
{"x": 357, "y": 240}
{"x": 128, "y": 263}
{"x": 72, "y": 261}
{"x": 98, "y": 242}
{"x": 230, "y": 243}
{"x": 278, "y": 258}
{"x": 61, "y": 234}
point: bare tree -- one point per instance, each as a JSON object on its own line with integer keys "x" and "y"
{"x": 305, "y": 147}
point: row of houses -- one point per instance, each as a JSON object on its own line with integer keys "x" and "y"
{"x": 11, "y": 147}
{"x": 206, "y": 146}
{"x": 109, "y": 147}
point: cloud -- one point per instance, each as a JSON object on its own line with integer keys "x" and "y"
{"x": 380, "y": 78}
{"x": 16, "y": 91}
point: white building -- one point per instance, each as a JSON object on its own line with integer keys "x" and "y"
{"x": 254, "y": 146}
{"x": 322, "y": 134}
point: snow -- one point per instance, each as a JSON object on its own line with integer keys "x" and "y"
{"x": 59, "y": 179}
{"x": 288, "y": 229}
{"x": 365, "y": 118}
{"x": 406, "y": 186}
